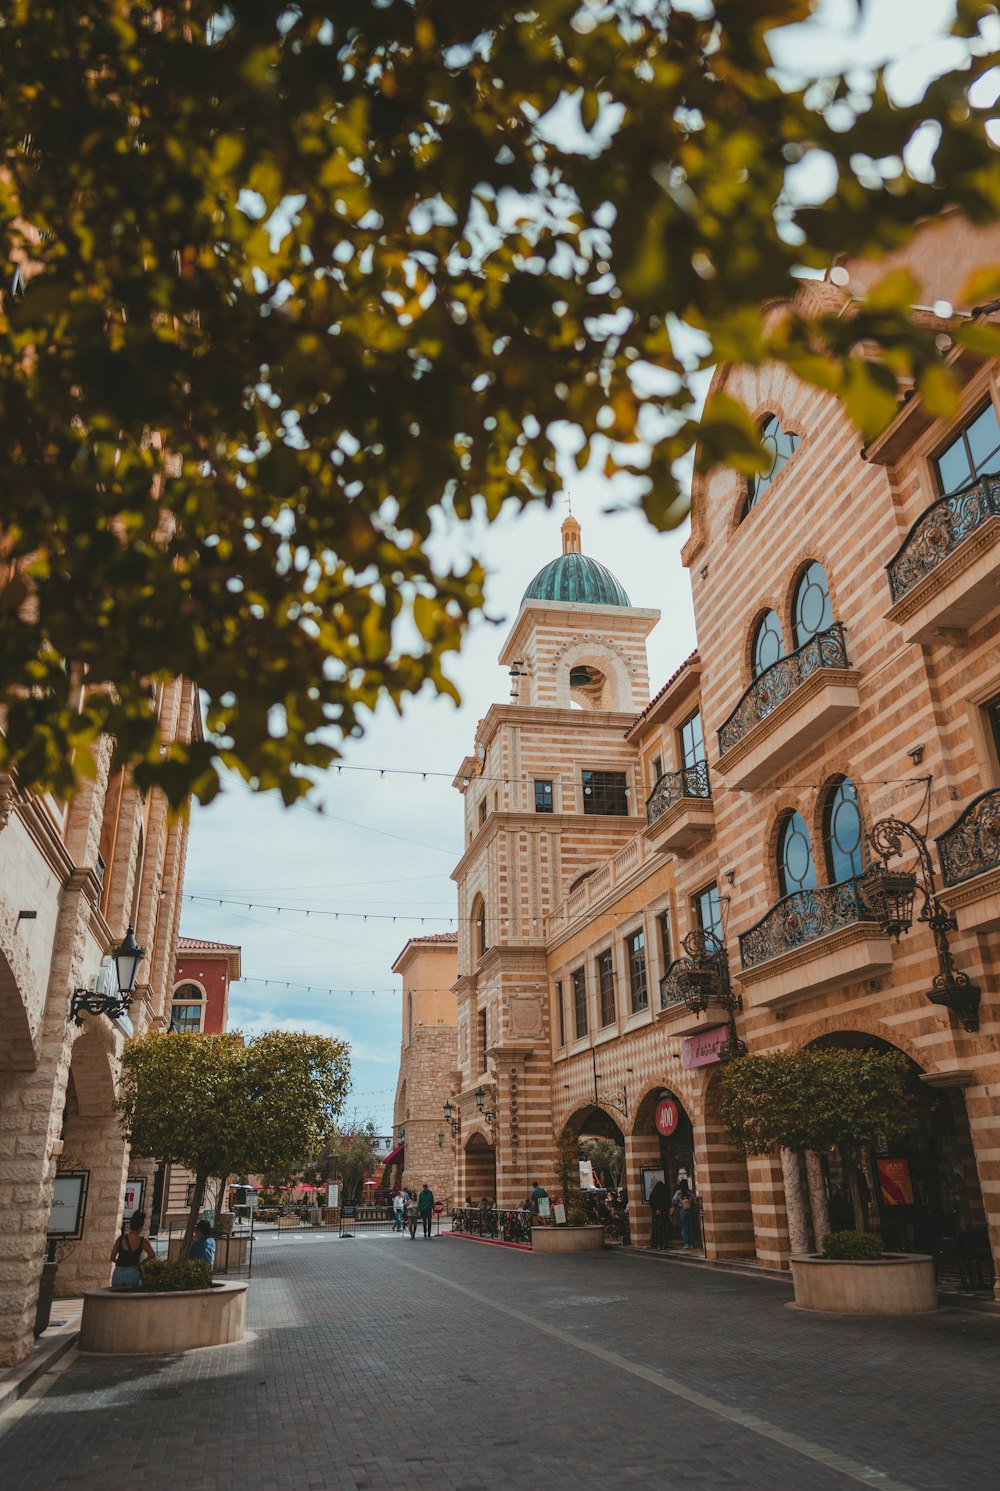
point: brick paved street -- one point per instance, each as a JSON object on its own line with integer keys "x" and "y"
{"x": 384, "y": 1363}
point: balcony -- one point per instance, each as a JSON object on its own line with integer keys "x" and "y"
{"x": 679, "y": 810}
{"x": 969, "y": 852}
{"x": 788, "y": 708}
{"x": 946, "y": 572}
{"x": 811, "y": 941}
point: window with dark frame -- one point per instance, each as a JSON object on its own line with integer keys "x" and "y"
{"x": 605, "y": 793}
{"x": 992, "y": 711}
{"x": 657, "y": 769}
{"x": 482, "y": 811}
{"x": 692, "y": 740}
{"x": 562, "y": 1012}
{"x": 974, "y": 451}
{"x": 185, "y": 1019}
{"x": 543, "y": 797}
{"x": 635, "y": 952}
{"x": 481, "y": 1032}
{"x": 606, "y": 986}
{"x": 580, "y": 1002}
{"x": 708, "y": 910}
{"x": 666, "y": 949}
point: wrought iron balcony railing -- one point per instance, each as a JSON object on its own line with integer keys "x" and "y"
{"x": 806, "y": 915}
{"x": 939, "y": 530}
{"x": 827, "y": 649}
{"x": 690, "y": 781}
{"x": 972, "y": 843}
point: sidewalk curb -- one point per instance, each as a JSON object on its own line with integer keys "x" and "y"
{"x": 16, "y": 1381}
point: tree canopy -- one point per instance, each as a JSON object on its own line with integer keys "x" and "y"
{"x": 815, "y": 1099}
{"x": 304, "y": 282}
{"x": 221, "y": 1107}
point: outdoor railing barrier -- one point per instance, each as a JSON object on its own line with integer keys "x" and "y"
{"x": 806, "y": 915}
{"x": 778, "y": 682}
{"x": 972, "y": 844}
{"x": 690, "y": 781}
{"x": 939, "y": 530}
{"x": 498, "y": 1224}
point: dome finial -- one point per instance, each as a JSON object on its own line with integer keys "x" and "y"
{"x": 570, "y": 530}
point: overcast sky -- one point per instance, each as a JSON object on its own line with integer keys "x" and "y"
{"x": 387, "y": 845}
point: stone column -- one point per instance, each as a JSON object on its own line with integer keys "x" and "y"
{"x": 642, "y": 1152}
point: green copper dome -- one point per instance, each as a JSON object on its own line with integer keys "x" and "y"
{"x": 574, "y": 577}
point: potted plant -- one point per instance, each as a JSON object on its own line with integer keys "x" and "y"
{"x": 853, "y": 1276}
{"x": 806, "y": 1103}
{"x": 576, "y": 1234}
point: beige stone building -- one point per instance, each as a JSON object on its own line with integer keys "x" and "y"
{"x": 848, "y": 671}
{"x": 73, "y": 877}
{"x": 424, "y": 1143}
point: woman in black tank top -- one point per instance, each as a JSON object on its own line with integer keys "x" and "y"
{"x": 128, "y": 1253}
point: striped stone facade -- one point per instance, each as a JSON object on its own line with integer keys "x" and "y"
{"x": 895, "y": 697}
{"x": 72, "y": 877}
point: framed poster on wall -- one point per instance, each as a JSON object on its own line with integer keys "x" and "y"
{"x": 134, "y": 1191}
{"x": 69, "y": 1205}
{"x": 649, "y": 1179}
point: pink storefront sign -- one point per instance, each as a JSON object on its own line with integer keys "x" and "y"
{"x": 703, "y": 1049}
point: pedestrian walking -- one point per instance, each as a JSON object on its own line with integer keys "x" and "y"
{"x": 537, "y": 1193}
{"x": 425, "y": 1207}
{"x": 658, "y": 1208}
{"x": 129, "y": 1251}
{"x": 684, "y": 1202}
{"x": 412, "y": 1215}
{"x": 398, "y": 1211}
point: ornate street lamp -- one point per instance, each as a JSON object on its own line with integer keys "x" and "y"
{"x": 891, "y": 897}
{"x": 127, "y": 957}
{"x": 701, "y": 978}
{"x": 449, "y": 1109}
{"x": 488, "y": 1115}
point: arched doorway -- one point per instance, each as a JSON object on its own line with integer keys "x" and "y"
{"x": 479, "y": 1170}
{"x": 663, "y": 1148}
{"x": 921, "y": 1190}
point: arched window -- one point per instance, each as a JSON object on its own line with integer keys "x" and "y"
{"x": 780, "y": 446}
{"x": 796, "y": 870}
{"x": 812, "y": 610}
{"x": 187, "y": 1009}
{"x": 480, "y": 944}
{"x": 768, "y": 643}
{"x": 843, "y": 839}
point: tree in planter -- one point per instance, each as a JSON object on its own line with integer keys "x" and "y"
{"x": 219, "y": 1106}
{"x": 607, "y": 1158}
{"x": 805, "y": 1102}
{"x": 568, "y": 1170}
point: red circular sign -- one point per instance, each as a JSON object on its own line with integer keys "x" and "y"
{"x": 438, "y": 1208}
{"x": 667, "y": 1115}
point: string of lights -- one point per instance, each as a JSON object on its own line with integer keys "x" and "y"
{"x": 509, "y": 778}
{"x": 280, "y": 983}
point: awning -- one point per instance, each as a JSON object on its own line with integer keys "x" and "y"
{"x": 395, "y": 1156}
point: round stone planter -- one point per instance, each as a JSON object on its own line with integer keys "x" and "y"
{"x": 118, "y": 1322}
{"x": 586, "y": 1239}
{"x": 896, "y": 1284}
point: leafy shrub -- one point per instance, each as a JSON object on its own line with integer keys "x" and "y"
{"x": 576, "y": 1217}
{"x": 161, "y": 1276}
{"x": 852, "y": 1246}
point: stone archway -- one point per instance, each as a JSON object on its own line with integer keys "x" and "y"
{"x": 648, "y": 1152}
{"x": 93, "y": 1141}
{"x": 479, "y": 1169}
{"x": 920, "y": 1190}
